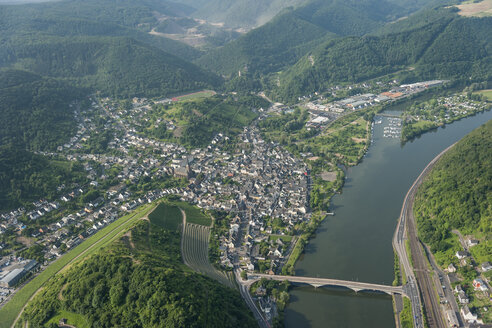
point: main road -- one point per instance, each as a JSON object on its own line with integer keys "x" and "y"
{"x": 423, "y": 280}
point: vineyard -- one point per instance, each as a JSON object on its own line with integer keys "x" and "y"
{"x": 195, "y": 253}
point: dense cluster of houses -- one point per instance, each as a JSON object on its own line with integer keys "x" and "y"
{"x": 259, "y": 180}
{"x": 447, "y": 109}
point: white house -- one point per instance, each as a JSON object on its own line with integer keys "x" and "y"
{"x": 467, "y": 315}
{"x": 451, "y": 268}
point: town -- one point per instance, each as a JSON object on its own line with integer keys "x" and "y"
{"x": 265, "y": 189}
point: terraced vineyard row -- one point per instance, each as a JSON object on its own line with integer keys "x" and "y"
{"x": 195, "y": 253}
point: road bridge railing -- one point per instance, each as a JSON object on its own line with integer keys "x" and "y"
{"x": 320, "y": 282}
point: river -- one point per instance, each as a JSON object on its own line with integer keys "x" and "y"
{"x": 355, "y": 244}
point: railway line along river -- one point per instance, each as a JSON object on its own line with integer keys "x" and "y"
{"x": 355, "y": 244}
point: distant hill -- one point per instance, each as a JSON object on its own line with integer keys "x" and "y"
{"x": 268, "y": 48}
{"x": 449, "y": 47}
{"x": 20, "y": 24}
{"x": 295, "y": 32}
{"x": 242, "y": 13}
{"x": 115, "y": 66}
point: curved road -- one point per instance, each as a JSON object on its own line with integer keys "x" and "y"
{"x": 406, "y": 224}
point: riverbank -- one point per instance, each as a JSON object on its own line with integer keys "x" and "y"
{"x": 356, "y": 243}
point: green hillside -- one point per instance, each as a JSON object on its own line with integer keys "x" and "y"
{"x": 451, "y": 47}
{"x": 138, "y": 281}
{"x": 109, "y": 18}
{"x": 457, "y": 194}
{"x": 35, "y": 116}
{"x": 350, "y": 17}
{"x": 115, "y": 66}
{"x": 35, "y": 111}
{"x": 266, "y": 49}
{"x": 198, "y": 121}
{"x": 297, "y": 31}
{"x": 26, "y": 177}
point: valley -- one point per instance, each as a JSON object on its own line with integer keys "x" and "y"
{"x": 241, "y": 123}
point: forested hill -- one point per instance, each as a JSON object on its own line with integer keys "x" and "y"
{"x": 93, "y": 44}
{"x": 119, "y": 67}
{"x": 457, "y": 194}
{"x": 138, "y": 281}
{"x": 35, "y": 111}
{"x": 134, "y": 19}
{"x": 268, "y": 48}
{"x": 36, "y": 114}
{"x": 297, "y": 31}
{"x": 451, "y": 47}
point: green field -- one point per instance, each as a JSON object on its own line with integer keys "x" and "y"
{"x": 486, "y": 93}
{"x": 73, "y": 319}
{"x": 197, "y": 95}
{"x": 10, "y": 311}
{"x": 166, "y": 216}
{"x": 194, "y": 214}
{"x": 412, "y": 130}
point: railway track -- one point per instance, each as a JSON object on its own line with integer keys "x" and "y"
{"x": 430, "y": 301}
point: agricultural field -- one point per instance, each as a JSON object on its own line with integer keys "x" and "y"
{"x": 193, "y": 213}
{"x": 476, "y": 9}
{"x": 196, "y": 95}
{"x": 194, "y": 248}
{"x": 486, "y": 93}
{"x": 166, "y": 216}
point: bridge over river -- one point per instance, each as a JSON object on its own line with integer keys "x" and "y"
{"x": 319, "y": 282}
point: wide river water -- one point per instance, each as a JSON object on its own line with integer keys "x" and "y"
{"x": 355, "y": 244}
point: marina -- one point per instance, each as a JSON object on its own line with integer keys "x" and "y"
{"x": 393, "y": 129}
